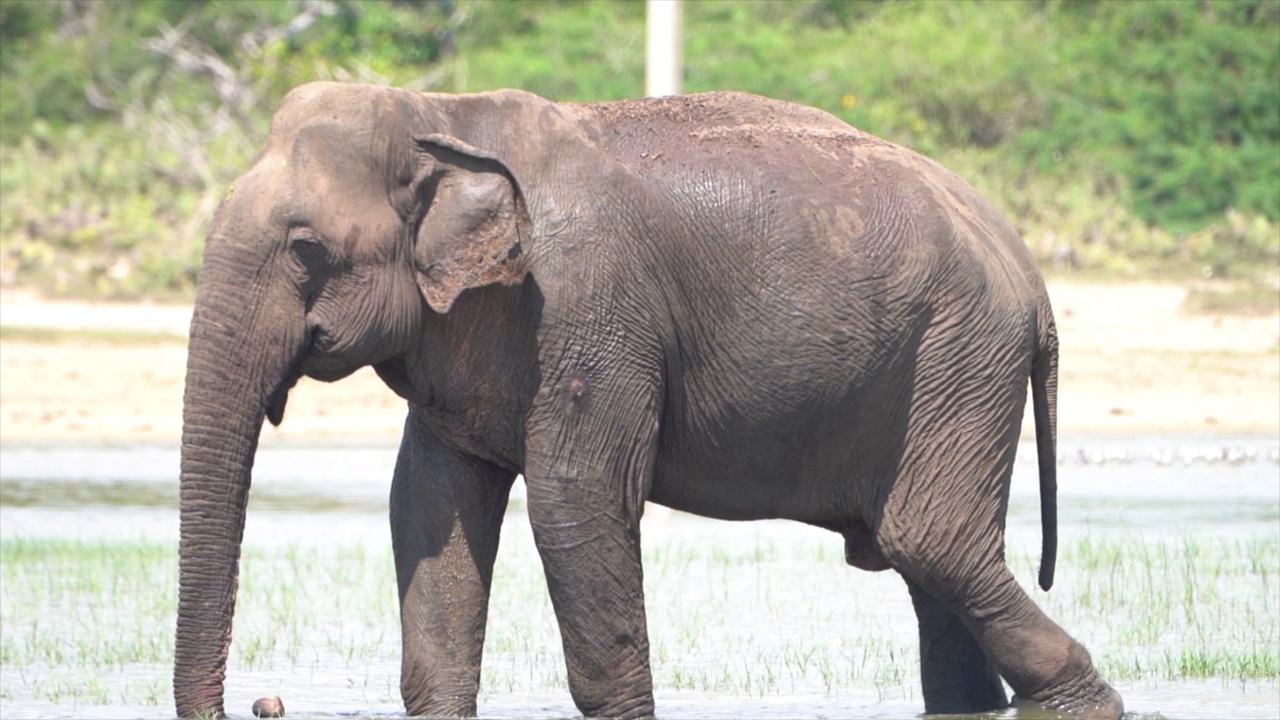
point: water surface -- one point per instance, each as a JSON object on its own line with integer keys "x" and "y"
{"x": 755, "y": 619}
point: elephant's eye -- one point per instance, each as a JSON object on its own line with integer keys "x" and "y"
{"x": 308, "y": 248}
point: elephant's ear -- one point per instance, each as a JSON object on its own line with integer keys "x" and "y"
{"x": 474, "y": 220}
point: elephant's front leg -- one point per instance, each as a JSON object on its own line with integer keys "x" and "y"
{"x": 446, "y": 511}
{"x": 588, "y": 473}
{"x": 591, "y": 555}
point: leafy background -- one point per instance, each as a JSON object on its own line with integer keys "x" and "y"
{"x": 1124, "y": 139}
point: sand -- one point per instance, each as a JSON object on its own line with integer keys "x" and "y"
{"x": 1134, "y": 361}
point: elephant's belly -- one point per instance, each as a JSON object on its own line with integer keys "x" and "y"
{"x": 831, "y": 474}
{"x": 812, "y": 433}
{"x": 738, "y": 498}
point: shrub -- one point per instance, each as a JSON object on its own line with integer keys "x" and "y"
{"x": 1126, "y": 138}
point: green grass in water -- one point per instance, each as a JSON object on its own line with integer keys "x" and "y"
{"x": 74, "y": 613}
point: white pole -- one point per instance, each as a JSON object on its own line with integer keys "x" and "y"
{"x": 664, "y": 48}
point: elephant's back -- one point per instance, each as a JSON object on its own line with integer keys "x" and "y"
{"x": 723, "y": 109}
{"x": 778, "y": 175}
{"x": 738, "y": 133}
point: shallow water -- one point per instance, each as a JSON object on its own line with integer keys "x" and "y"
{"x": 746, "y": 619}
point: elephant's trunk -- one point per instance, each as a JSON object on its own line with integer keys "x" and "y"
{"x": 240, "y": 361}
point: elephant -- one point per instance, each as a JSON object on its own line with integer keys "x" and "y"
{"x": 725, "y": 304}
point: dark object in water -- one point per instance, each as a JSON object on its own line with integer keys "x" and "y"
{"x": 271, "y": 707}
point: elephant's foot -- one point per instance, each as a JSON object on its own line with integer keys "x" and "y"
{"x": 1106, "y": 705}
{"x": 964, "y": 688}
{"x": 439, "y": 700}
{"x": 635, "y": 708}
{"x": 1087, "y": 696}
{"x": 453, "y": 707}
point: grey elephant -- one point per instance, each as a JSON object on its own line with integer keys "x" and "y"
{"x": 725, "y": 304}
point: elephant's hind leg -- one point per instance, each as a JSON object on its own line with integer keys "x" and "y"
{"x": 955, "y": 673}
{"x": 942, "y": 529}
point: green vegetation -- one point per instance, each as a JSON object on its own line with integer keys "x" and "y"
{"x": 1173, "y": 610}
{"x": 1122, "y": 139}
{"x": 91, "y": 622}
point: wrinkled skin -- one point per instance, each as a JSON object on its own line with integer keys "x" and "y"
{"x": 724, "y": 304}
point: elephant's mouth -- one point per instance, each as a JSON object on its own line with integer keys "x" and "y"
{"x": 326, "y": 358}
{"x": 314, "y": 362}
{"x": 275, "y": 403}
{"x": 280, "y": 394}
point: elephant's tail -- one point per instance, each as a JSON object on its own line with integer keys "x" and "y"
{"x": 1044, "y": 402}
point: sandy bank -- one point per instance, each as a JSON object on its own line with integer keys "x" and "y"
{"x": 1133, "y": 361}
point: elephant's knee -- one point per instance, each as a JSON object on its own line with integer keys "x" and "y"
{"x": 903, "y": 547}
{"x": 958, "y": 564}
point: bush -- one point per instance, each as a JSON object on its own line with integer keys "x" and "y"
{"x": 1181, "y": 99}
{"x": 1125, "y": 138}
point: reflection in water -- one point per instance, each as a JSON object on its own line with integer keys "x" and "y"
{"x": 746, "y": 619}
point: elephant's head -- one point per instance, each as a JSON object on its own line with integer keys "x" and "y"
{"x": 364, "y": 212}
